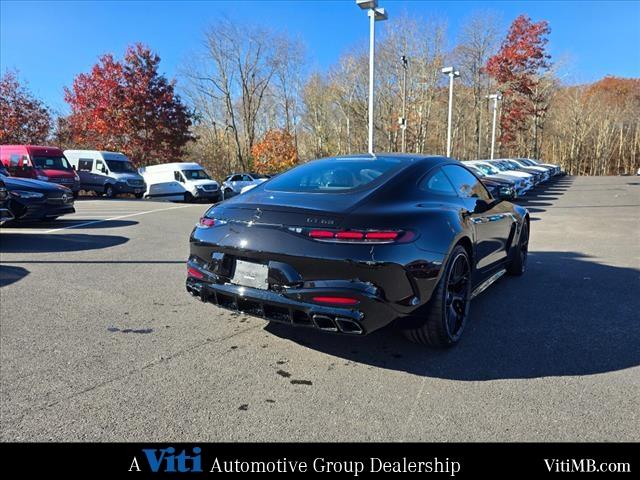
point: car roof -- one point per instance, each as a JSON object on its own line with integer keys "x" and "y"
{"x": 174, "y": 165}
{"x": 409, "y": 158}
{"x": 35, "y": 148}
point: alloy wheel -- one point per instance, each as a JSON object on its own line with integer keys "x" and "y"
{"x": 524, "y": 246}
{"x": 457, "y": 294}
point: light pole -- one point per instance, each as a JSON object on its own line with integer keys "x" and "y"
{"x": 495, "y": 97}
{"x": 375, "y": 14}
{"x": 452, "y": 72}
{"x": 403, "y": 118}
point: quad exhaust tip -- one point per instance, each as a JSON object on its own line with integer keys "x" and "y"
{"x": 328, "y": 324}
{"x": 347, "y": 325}
{"x": 323, "y": 322}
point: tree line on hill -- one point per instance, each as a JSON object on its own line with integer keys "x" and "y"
{"x": 249, "y": 102}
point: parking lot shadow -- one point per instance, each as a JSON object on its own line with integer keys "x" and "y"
{"x": 11, "y": 274}
{"x": 86, "y": 224}
{"x": 568, "y": 315}
{"x": 45, "y": 243}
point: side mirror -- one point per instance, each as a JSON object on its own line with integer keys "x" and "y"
{"x": 482, "y": 206}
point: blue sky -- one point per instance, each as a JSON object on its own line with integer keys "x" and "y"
{"x": 50, "y": 42}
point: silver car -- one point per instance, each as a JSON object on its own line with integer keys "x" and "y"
{"x": 234, "y": 183}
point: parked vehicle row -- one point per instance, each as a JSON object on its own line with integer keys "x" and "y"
{"x": 515, "y": 177}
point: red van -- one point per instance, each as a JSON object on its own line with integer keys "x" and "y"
{"x": 41, "y": 163}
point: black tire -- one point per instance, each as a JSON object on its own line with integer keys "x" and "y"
{"x": 188, "y": 197}
{"x": 109, "y": 192}
{"x": 448, "y": 310}
{"x": 139, "y": 195}
{"x": 228, "y": 193}
{"x": 76, "y": 194}
{"x": 518, "y": 263}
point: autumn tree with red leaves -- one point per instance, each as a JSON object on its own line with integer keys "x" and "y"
{"x": 23, "y": 118}
{"x": 128, "y": 106}
{"x": 275, "y": 152}
{"x": 518, "y": 68}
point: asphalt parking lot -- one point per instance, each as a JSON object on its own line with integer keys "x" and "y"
{"x": 100, "y": 341}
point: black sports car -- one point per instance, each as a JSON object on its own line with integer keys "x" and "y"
{"x": 33, "y": 200}
{"x": 350, "y": 244}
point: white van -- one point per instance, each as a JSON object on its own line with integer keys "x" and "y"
{"x": 179, "y": 181}
{"x": 108, "y": 173}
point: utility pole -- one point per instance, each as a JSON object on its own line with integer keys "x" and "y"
{"x": 452, "y": 72}
{"x": 375, "y": 14}
{"x": 495, "y": 97}
{"x": 403, "y": 119}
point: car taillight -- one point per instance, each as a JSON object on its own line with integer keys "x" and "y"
{"x": 361, "y": 236}
{"x": 192, "y": 272}
{"x": 206, "y": 222}
{"x": 321, "y": 234}
{"x": 349, "y": 235}
{"x": 391, "y": 235}
{"x": 336, "y": 300}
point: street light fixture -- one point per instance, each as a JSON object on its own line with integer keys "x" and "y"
{"x": 403, "y": 119}
{"x": 453, "y": 73}
{"x": 495, "y": 97}
{"x": 375, "y": 15}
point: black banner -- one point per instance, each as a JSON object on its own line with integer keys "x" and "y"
{"x": 454, "y": 460}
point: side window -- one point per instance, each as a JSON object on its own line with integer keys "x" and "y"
{"x": 236, "y": 178}
{"x": 178, "y": 176}
{"x": 85, "y": 165}
{"x": 100, "y": 166}
{"x": 247, "y": 178}
{"x": 465, "y": 183}
{"x": 438, "y": 183}
{"x": 14, "y": 160}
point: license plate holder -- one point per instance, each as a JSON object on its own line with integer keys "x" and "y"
{"x": 250, "y": 274}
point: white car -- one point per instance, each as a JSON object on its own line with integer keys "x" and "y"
{"x": 235, "y": 183}
{"x": 180, "y": 181}
{"x": 555, "y": 169}
{"x": 523, "y": 164}
{"x": 509, "y": 171}
{"x": 514, "y": 175}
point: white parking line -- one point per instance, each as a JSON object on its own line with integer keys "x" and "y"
{"x": 79, "y": 225}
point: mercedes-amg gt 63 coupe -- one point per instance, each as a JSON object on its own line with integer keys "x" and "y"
{"x": 351, "y": 244}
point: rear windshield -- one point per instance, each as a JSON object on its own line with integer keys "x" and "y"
{"x": 335, "y": 175}
{"x": 51, "y": 162}
{"x": 118, "y": 166}
{"x": 195, "y": 175}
